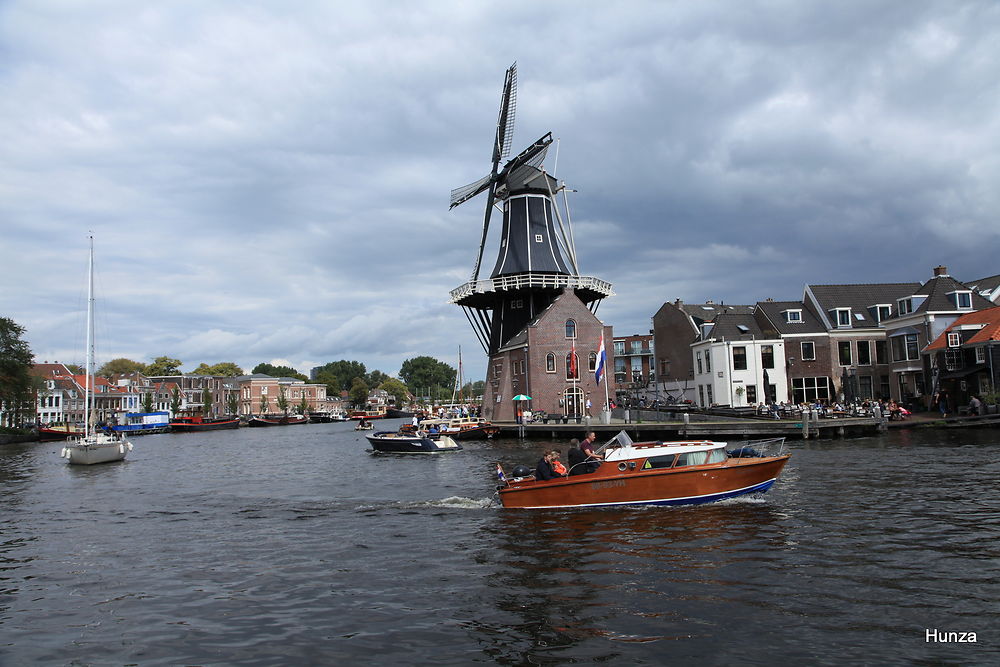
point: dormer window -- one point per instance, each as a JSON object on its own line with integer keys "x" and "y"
{"x": 954, "y": 339}
{"x": 961, "y": 300}
{"x": 905, "y": 306}
{"x": 883, "y": 312}
{"x": 793, "y": 316}
{"x": 843, "y": 317}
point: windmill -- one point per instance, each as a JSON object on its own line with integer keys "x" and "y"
{"x": 535, "y": 243}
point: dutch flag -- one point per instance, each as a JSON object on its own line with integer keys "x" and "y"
{"x": 602, "y": 357}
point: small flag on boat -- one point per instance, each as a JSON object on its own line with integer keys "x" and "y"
{"x": 602, "y": 357}
{"x": 500, "y": 476}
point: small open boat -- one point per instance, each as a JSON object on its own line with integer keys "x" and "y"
{"x": 653, "y": 473}
{"x": 418, "y": 443}
{"x": 58, "y": 431}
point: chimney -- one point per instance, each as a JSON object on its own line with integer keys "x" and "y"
{"x": 940, "y": 271}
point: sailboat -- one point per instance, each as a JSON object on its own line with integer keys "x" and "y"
{"x": 94, "y": 445}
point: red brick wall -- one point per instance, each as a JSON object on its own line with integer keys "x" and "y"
{"x": 546, "y": 389}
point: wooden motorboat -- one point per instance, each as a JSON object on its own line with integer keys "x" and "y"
{"x": 286, "y": 420}
{"x": 418, "y": 443}
{"x": 199, "y": 423}
{"x": 653, "y": 473}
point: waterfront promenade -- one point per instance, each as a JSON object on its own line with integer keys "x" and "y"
{"x": 674, "y": 427}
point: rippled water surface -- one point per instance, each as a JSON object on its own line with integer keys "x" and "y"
{"x": 297, "y": 546}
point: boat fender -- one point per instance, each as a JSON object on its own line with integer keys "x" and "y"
{"x": 129, "y": 446}
{"x": 65, "y": 453}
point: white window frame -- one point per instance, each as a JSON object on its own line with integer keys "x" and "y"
{"x": 954, "y": 339}
{"x": 793, "y": 316}
{"x": 980, "y": 355}
{"x": 802, "y": 351}
{"x": 842, "y": 315}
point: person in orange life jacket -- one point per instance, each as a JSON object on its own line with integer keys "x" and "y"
{"x": 557, "y": 465}
{"x": 544, "y": 470}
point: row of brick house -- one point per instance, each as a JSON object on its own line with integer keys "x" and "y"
{"x": 839, "y": 342}
{"x": 61, "y": 396}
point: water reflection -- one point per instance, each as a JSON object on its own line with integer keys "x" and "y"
{"x": 632, "y": 575}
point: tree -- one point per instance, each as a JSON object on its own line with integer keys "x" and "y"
{"x": 233, "y": 403}
{"x": 16, "y": 382}
{"x": 147, "y": 402}
{"x": 206, "y": 401}
{"x": 163, "y": 366}
{"x": 121, "y": 366}
{"x": 75, "y": 369}
{"x": 278, "y": 371}
{"x": 222, "y": 369}
{"x": 375, "y": 378}
{"x": 264, "y": 404}
{"x": 359, "y": 392}
{"x": 473, "y": 389}
{"x": 175, "y": 401}
{"x": 282, "y": 401}
{"x": 303, "y": 406}
{"x": 422, "y": 373}
{"x": 396, "y": 389}
{"x": 339, "y": 375}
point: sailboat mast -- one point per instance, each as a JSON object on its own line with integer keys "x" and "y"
{"x": 89, "y": 382}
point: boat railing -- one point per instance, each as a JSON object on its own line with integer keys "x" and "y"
{"x": 529, "y": 280}
{"x": 758, "y": 448}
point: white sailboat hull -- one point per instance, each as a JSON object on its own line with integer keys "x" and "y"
{"x": 97, "y": 448}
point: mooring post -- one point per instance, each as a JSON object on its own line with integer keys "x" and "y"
{"x": 805, "y": 424}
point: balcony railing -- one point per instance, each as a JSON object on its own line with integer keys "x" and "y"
{"x": 524, "y": 280}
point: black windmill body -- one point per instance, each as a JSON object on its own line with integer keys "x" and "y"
{"x": 537, "y": 257}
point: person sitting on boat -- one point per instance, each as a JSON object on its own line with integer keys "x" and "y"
{"x": 557, "y": 465}
{"x": 433, "y": 429}
{"x": 544, "y": 469}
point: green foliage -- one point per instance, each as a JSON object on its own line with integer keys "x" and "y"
{"x": 282, "y": 401}
{"x": 473, "y": 389}
{"x": 77, "y": 369}
{"x": 278, "y": 371}
{"x": 222, "y": 369}
{"x": 16, "y": 382}
{"x": 428, "y": 374}
{"x": 175, "y": 401}
{"x": 991, "y": 397}
{"x": 233, "y": 403}
{"x": 163, "y": 366}
{"x": 147, "y": 402}
{"x": 121, "y": 366}
{"x": 206, "y": 401}
{"x": 359, "y": 392}
{"x": 265, "y": 404}
{"x": 303, "y": 406}
{"x": 338, "y": 376}
{"x": 396, "y": 389}
{"x": 375, "y": 378}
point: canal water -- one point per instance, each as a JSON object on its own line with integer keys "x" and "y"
{"x": 295, "y": 545}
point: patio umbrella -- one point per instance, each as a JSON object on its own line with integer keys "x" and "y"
{"x": 768, "y": 399}
{"x": 522, "y": 397}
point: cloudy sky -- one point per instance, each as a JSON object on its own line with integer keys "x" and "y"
{"x": 269, "y": 181}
